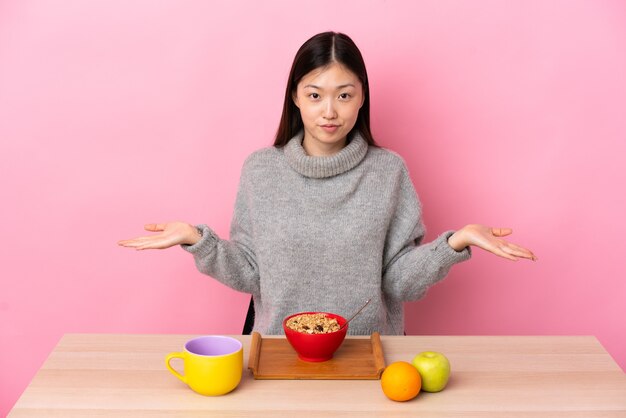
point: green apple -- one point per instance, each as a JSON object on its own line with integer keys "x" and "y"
{"x": 434, "y": 368}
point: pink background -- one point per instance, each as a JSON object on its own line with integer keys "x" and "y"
{"x": 117, "y": 113}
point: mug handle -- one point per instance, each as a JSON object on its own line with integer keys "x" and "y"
{"x": 171, "y": 356}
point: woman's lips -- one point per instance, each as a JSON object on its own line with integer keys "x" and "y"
{"x": 330, "y": 128}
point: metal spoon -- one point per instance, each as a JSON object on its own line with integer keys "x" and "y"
{"x": 353, "y": 316}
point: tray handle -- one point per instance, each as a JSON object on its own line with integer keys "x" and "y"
{"x": 377, "y": 351}
{"x": 255, "y": 353}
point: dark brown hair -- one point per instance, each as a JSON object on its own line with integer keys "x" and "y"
{"x": 320, "y": 51}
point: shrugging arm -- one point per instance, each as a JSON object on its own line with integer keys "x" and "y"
{"x": 232, "y": 262}
{"x": 411, "y": 267}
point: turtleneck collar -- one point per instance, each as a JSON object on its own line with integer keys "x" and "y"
{"x": 320, "y": 167}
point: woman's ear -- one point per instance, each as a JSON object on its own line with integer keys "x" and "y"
{"x": 294, "y": 97}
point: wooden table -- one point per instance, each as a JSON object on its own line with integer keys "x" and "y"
{"x": 125, "y": 376}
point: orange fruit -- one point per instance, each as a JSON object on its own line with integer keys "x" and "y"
{"x": 401, "y": 381}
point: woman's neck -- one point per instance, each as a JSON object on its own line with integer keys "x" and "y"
{"x": 316, "y": 148}
{"x": 327, "y": 165}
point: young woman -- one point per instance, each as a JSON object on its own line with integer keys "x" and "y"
{"x": 326, "y": 219}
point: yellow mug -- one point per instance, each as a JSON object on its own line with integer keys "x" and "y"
{"x": 213, "y": 364}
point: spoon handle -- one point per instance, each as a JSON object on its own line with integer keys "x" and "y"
{"x": 357, "y": 312}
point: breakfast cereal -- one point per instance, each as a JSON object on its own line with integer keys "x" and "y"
{"x": 317, "y": 323}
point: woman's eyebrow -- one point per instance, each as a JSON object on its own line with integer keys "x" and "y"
{"x": 338, "y": 87}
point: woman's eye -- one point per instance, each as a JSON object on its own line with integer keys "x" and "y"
{"x": 314, "y": 96}
{"x": 344, "y": 96}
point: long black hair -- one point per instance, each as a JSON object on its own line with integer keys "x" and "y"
{"x": 320, "y": 51}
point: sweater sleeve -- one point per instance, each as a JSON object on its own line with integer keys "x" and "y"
{"x": 232, "y": 262}
{"x": 411, "y": 267}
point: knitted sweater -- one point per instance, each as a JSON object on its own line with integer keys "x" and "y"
{"x": 326, "y": 234}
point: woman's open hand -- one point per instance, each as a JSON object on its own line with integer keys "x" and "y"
{"x": 169, "y": 235}
{"x": 489, "y": 239}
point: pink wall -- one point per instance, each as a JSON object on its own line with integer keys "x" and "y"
{"x": 113, "y": 114}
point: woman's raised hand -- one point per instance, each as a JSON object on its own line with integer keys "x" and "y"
{"x": 489, "y": 239}
{"x": 168, "y": 235}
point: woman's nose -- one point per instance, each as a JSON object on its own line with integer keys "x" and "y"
{"x": 329, "y": 110}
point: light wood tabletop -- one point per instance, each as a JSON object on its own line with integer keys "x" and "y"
{"x": 104, "y": 375}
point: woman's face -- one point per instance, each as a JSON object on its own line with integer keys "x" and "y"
{"x": 329, "y": 99}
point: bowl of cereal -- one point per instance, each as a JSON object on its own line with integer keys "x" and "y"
{"x": 315, "y": 335}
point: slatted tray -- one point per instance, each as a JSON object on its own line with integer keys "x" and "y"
{"x": 357, "y": 358}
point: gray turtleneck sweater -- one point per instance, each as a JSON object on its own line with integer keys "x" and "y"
{"x": 326, "y": 234}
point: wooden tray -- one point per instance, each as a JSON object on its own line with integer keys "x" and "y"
{"x": 357, "y": 358}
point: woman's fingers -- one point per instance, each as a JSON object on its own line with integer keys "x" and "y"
{"x": 144, "y": 243}
{"x": 151, "y": 246}
{"x": 129, "y": 243}
{"x": 154, "y": 227}
{"x": 136, "y": 242}
{"x": 142, "y": 239}
{"x": 511, "y": 249}
{"x": 517, "y": 251}
{"x": 503, "y": 252}
{"x": 501, "y": 232}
